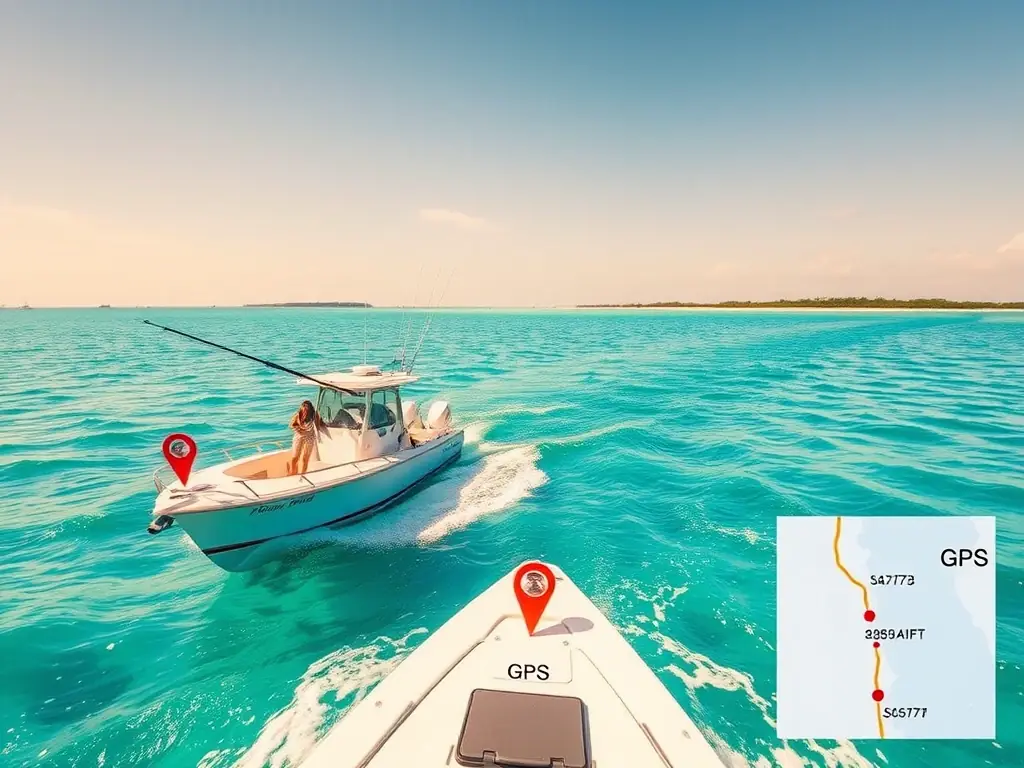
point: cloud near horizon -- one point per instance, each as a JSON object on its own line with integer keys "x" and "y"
{"x": 1016, "y": 244}
{"x": 55, "y": 256}
{"x": 453, "y": 218}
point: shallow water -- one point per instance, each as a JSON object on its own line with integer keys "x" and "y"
{"x": 647, "y": 454}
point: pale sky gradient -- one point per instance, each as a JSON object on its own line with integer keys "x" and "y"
{"x": 551, "y": 153}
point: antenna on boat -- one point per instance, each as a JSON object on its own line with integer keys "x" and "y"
{"x": 430, "y": 299}
{"x": 408, "y": 326}
{"x": 426, "y": 324}
{"x": 430, "y": 319}
{"x": 267, "y": 363}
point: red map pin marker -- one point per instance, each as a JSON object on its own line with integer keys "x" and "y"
{"x": 534, "y": 584}
{"x": 180, "y": 452}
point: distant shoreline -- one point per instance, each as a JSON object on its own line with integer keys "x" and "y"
{"x": 826, "y": 304}
{"x": 809, "y": 305}
{"x": 356, "y": 304}
{"x": 785, "y": 310}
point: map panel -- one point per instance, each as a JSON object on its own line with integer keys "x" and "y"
{"x": 886, "y": 627}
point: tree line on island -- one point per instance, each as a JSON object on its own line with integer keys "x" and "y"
{"x": 850, "y": 302}
{"x": 359, "y": 304}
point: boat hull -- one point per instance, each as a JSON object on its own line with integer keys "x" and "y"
{"x": 231, "y": 537}
{"x": 420, "y": 713}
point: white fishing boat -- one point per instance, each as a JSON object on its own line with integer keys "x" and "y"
{"x": 481, "y": 691}
{"x": 372, "y": 451}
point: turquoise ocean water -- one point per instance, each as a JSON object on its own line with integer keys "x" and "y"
{"x": 647, "y": 454}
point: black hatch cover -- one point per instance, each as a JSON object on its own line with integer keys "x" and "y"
{"x": 523, "y": 730}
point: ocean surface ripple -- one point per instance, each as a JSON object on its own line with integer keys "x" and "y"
{"x": 646, "y": 453}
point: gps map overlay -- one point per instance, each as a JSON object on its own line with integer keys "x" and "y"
{"x": 886, "y": 627}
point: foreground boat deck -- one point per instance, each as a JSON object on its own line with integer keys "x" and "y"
{"x": 416, "y": 715}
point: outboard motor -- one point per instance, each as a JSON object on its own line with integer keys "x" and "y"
{"x": 439, "y": 416}
{"x": 411, "y": 415}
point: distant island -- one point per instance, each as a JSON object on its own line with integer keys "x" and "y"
{"x": 850, "y": 302}
{"x": 360, "y": 304}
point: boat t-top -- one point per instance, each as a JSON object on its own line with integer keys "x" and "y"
{"x": 482, "y": 691}
{"x": 373, "y": 450}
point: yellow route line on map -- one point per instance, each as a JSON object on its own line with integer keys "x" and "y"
{"x": 839, "y": 563}
{"x": 867, "y": 607}
{"x": 878, "y": 704}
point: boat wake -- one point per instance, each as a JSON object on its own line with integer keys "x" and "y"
{"x": 328, "y": 688}
{"x": 697, "y": 671}
{"x": 490, "y": 478}
{"x": 505, "y": 477}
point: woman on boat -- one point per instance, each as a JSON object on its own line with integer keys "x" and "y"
{"x": 306, "y": 423}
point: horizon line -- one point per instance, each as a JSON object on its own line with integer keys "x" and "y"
{"x": 727, "y": 304}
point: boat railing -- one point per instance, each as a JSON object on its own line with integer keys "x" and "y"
{"x": 161, "y": 484}
{"x": 259, "y": 446}
{"x": 159, "y": 481}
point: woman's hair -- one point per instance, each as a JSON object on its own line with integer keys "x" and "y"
{"x": 312, "y": 411}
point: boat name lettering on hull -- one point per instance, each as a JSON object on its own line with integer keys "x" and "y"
{"x": 274, "y": 507}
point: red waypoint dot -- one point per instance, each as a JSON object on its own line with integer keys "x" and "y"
{"x": 534, "y": 584}
{"x": 877, "y": 695}
{"x": 875, "y": 643}
{"x": 180, "y": 452}
{"x": 869, "y": 615}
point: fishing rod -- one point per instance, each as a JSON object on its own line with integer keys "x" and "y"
{"x": 408, "y": 328}
{"x": 267, "y": 363}
{"x": 430, "y": 300}
{"x": 430, "y": 319}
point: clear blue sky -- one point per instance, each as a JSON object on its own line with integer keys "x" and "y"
{"x": 549, "y": 152}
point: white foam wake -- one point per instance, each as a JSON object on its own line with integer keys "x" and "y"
{"x": 706, "y": 672}
{"x": 287, "y": 737}
{"x": 533, "y": 410}
{"x": 697, "y": 671}
{"x": 474, "y": 433}
{"x": 505, "y": 478}
{"x": 494, "y": 478}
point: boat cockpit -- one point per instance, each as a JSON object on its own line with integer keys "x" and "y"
{"x": 349, "y": 435}
{"x": 342, "y": 410}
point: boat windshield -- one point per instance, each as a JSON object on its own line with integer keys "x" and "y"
{"x": 341, "y": 410}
